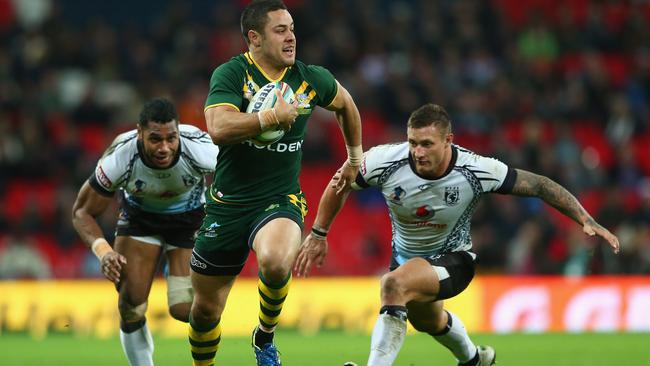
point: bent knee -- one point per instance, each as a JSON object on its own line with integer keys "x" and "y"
{"x": 274, "y": 268}
{"x": 132, "y": 313}
{"x": 180, "y": 311}
{"x": 392, "y": 286}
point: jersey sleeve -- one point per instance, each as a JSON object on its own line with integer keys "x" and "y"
{"x": 494, "y": 175}
{"x": 226, "y": 86}
{"x": 111, "y": 168}
{"x": 323, "y": 82}
{"x": 369, "y": 171}
{"x": 201, "y": 151}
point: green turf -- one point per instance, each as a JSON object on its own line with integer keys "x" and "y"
{"x": 334, "y": 348}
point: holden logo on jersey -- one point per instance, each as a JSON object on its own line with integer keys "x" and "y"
{"x": 424, "y": 212}
{"x": 451, "y": 196}
{"x": 189, "y": 180}
{"x": 397, "y": 195}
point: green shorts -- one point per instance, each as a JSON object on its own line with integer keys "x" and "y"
{"x": 226, "y": 235}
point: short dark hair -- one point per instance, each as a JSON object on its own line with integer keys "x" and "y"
{"x": 254, "y": 15}
{"x": 430, "y": 114}
{"x": 158, "y": 110}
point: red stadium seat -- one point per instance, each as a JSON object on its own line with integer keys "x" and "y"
{"x": 641, "y": 145}
{"x": 590, "y": 135}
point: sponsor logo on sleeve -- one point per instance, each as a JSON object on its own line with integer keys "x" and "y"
{"x": 103, "y": 179}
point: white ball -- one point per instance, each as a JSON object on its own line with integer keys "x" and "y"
{"x": 265, "y": 98}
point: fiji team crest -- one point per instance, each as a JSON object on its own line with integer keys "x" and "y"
{"x": 189, "y": 180}
{"x": 452, "y": 196}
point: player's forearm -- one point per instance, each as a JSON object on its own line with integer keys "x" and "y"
{"x": 87, "y": 227}
{"x": 533, "y": 185}
{"x": 231, "y": 127}
{"x": 350, "y": 121}
{"x": 329, "y": 206}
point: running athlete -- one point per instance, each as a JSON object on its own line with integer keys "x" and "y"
{"x": 431, "y": 187}
{"x": 255, "y": 201}
{"x": 159, "y": 171}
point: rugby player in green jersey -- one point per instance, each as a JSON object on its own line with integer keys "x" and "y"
{"x": 255, "y": 201}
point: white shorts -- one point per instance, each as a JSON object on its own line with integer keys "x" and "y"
{"x": 155, "y": 240}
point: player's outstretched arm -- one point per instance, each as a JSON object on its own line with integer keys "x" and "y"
{"x": 314, "y": 248}
{"x": 349, "y": 119}
{"x": 529, "y": 184}
{"x": 88, "y": 205}
{"x": 227, "y": 126}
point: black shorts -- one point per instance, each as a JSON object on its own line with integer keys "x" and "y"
{"x": 176, "y": 229}
{"x": 460, "y": 267}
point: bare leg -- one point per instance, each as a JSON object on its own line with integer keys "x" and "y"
{"x": 134, "y": 287}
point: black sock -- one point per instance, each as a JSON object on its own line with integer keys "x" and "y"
{"x": 472, "y": 362}
{"x": 262, "y": 337}
{"x": 397, "y": 311}
{"x": 131, "y": 327}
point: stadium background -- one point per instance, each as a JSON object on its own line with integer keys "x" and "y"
{"x": 557, "y": 87}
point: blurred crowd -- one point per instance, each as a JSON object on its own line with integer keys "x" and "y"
{"x": 561, "y": 88}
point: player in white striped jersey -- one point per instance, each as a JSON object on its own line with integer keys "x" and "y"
{"x": 159, "y": 171}
{"x": 431, "y": 187}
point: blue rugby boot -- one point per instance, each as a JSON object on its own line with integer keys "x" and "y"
{"x": 268, "y": 354}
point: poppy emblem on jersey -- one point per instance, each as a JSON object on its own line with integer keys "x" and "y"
{"x": 424, "y": 212}
{"x": 189, "y": 180}
{"x": 452, "y": 196}
{"x": 397, "y": 194}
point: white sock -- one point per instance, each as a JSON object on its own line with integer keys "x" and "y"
{"x": 387, "y": 339}
{"x": 138, "y": 346}
{"x": 457, "y": 340}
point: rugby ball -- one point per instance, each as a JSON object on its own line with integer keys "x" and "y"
{"x": 265, "y": 98}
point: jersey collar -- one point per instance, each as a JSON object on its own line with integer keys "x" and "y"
{"x": 249, "y": 56}
{"x": 452, "y": 164}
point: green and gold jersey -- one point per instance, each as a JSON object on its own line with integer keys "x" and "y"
{"x": 247, "y": 173}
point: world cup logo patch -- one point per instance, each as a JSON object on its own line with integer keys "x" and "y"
{"x": 452, "y": 196}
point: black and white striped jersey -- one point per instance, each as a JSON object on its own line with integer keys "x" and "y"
{"x": 431, "y": 216}
{"x": 177, "y": 189}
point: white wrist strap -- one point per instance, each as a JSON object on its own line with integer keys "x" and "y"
{"x": 100, "y": 247}
{"x": 355, "y": 155}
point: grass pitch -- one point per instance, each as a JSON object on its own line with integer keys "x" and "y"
{"x": 334, "y": 348}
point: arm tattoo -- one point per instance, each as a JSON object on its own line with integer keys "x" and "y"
{"x": 529, "y": 184}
